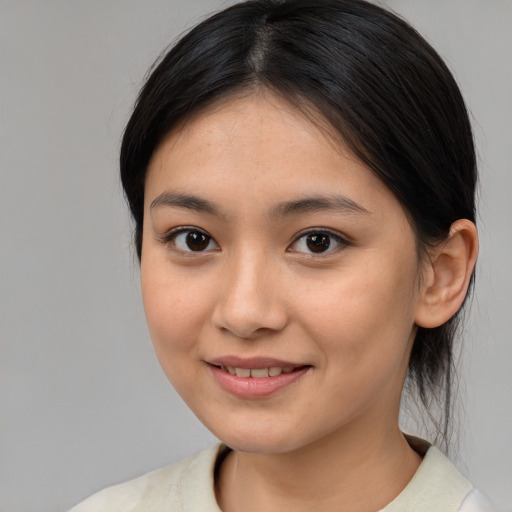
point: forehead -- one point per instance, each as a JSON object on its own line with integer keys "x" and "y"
{"x": 261, "y": 148}
{"x": 251, "y": 117}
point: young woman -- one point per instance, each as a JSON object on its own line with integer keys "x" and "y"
{"x": 302, "y": 176}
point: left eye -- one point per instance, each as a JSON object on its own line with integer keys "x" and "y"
{"x": 318, "y": 242}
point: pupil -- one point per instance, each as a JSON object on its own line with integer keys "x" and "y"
{"x": 318, "y": 242}
{"x": 197, "y": 241}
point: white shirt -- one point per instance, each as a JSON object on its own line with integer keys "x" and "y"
{"x": 188, "y": 486}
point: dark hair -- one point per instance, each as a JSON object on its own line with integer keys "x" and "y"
{"x": 371, "y": 76}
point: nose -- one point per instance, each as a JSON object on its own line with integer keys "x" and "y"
{"x": 250, "y": 304}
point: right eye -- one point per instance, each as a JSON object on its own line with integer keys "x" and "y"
{"x": 191, "y": 240}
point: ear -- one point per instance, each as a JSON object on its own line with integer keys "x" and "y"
{"x": 446, "y": 276}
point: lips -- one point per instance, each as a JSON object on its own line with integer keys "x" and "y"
{"x": 253, "y": 362}
{"x": 255, "y": 377}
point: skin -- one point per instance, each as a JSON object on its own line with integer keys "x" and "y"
{"x": 331, "y": 439}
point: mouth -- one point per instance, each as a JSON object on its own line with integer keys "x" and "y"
{"x": 255, "y": 378}
{"x": 258, "y": 373}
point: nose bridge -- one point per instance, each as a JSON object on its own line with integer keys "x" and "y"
{"x": 249, "y": 304}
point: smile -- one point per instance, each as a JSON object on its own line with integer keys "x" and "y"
{"x": 254, "y": 379}
{"x": 258, "y": 373}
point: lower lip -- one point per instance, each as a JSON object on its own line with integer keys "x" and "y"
{"x": 251, "y": 387}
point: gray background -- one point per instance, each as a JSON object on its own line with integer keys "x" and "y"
{"x": 83, "y": 402}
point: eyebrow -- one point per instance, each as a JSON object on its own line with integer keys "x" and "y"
{"x": 187, "y": 202}
{"x": 313, "y": 204}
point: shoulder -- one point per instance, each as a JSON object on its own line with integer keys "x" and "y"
{"x": 168, "y": 488}
{"x": 476, "y": 502}
{"x": 438, "y": 486}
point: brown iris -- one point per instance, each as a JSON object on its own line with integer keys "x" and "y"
{"x": 318, "y": 242}
{"x": 197, "y": 241}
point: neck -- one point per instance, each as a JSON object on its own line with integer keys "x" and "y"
{"x": 358, "y": 470}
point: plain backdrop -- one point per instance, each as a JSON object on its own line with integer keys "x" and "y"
{"x": 83, "y": 402}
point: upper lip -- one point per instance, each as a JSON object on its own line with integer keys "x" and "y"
{"x": 252, "y": 362}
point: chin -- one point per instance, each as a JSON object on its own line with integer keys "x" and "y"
{"x": 259, "y": 437}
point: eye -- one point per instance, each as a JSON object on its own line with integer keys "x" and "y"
{"x": 190, "y": 240}
{"x": 318, "y": 242}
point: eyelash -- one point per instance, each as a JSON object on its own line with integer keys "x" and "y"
{"x": 170, "y": 238}
{"x": 340, "y": 240}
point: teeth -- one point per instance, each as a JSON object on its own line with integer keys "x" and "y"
{"x": 243, "y": 372}
{"x": 258, "y": 373}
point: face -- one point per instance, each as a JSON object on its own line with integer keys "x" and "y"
{"x": 280, "y": 278}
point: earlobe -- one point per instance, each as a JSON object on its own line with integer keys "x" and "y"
{"x": 447, "y": 278}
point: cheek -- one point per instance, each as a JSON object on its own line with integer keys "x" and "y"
{"x": 175, "y": 313}
{"x": 175, "y": 310}
{"x": 364, "y": 330}
{"x": 364, "y": 318}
